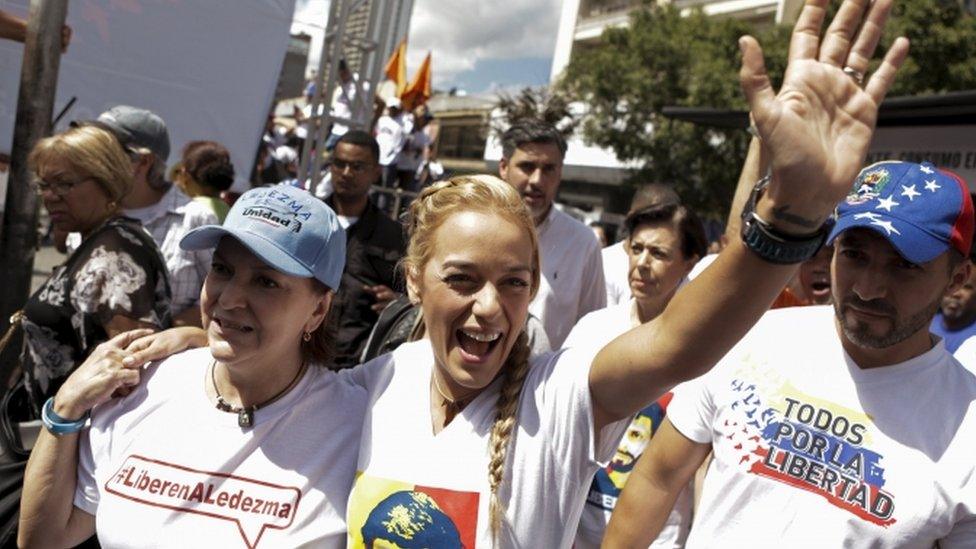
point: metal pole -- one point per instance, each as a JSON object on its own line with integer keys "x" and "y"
{"x": 326, "y": 81}
{"x": 374, "y": 46}
{"x": 35, "y": 106}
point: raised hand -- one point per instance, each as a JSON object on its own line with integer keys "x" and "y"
{"x": 101, "y": 375}
{"x": 817, "y": 129}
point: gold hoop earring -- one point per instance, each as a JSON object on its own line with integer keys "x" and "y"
{"x": 307, "y": 336}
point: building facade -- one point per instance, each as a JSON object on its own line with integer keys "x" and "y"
{"x": 582, "y": 21}
{"x": 593, "y": 177}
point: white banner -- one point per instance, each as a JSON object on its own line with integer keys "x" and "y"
{"x": 951, "y": 147}
{"x": 208, "y": 67}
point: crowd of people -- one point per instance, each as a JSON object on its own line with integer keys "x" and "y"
{"x": 407, "y": 155}
{"x": 300, "y": 369}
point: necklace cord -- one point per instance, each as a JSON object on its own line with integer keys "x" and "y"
{"x": 245, "y": 414}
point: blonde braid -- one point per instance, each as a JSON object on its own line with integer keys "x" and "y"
{"x": 433, "y": 206}
{"x": 516, "y": 367}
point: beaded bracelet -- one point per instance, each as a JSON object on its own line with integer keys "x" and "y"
{"x": 57, "y": 425}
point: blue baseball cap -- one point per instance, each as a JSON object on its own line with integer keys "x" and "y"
{"x": 922, "y": 210}
{"x": 288, "y": 228}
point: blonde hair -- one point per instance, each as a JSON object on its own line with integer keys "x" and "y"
{"x": 91, "y": 152}
{"x": 490, "y": 195}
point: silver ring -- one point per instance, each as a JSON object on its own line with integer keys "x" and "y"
{"x": 857, "y": 75}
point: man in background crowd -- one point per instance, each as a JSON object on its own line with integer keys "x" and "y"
{"x": 165, "y": 211}
{"x": 391, "y": 136}
{"x": 374, "y": 245}
{"x": 342, "y": 103}
{"x": 956, "y": 321}
{"x": 415, "y": 150}
{"x": 572, "y": 270}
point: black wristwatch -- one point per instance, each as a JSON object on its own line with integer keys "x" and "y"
{"x": 773, "y": 246}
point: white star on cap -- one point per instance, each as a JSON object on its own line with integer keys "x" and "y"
{"x": 867, "y": 215}
{"x": 926, "y": 169}
{"x": 886, "y": 225}
{"x": 887, "y": 203}
{"x": 932, "y": 186}
{"x": 910, "y": 192}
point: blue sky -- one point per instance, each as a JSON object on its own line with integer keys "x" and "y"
{"x": 478, "y": 46}
{"x": 495, "y": 74}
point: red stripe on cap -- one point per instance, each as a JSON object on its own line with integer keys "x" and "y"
{"x": 962, "y": 230}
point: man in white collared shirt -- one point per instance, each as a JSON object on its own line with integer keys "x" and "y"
{"x": 572, "y": 269}
{"x": 164, "y": 211}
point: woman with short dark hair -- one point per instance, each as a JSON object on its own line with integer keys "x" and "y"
{"x": 204, "y": 172}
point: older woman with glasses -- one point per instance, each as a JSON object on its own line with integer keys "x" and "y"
{"x": 115, "y": 281}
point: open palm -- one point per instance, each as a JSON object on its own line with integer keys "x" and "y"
{"x": 817, "y": 129}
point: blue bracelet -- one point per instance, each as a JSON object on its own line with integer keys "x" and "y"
{"x": 58, "y": 425}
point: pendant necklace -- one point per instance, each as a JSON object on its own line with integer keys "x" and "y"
{"x": 452, "y": 407}
{"x": 245, "y": 414}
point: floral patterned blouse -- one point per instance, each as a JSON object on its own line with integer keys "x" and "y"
{"x": 116, "y": 271}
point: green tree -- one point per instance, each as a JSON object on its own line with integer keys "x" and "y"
{"x": 943, "y": 37}
{"x": 663, "y": 59}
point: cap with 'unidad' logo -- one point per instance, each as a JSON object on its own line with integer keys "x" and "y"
{"x": 287, "y": 228}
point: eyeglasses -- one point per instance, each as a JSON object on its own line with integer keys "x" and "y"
{"x": 59, "y": 188}
{"x": 341, "y": 165}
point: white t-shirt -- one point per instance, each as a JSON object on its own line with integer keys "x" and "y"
{"x": 599, "y": 328}
{"x": 966, "y": 354}
{"x": 346, "y": 221}
{"x": 391, "y": 135}
{"x": 572, "y": 275}
{"x": 342, "y": 102}
{"x": 699, "y": 267}
{"x": 435, "y": 488}
{"x": 412, "y": 154}
{"x": 163, "y": 467}
{"x": 812, "y": 451}
{"x": 616, "y": 268}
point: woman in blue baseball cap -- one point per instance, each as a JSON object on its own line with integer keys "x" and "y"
{"x": 247, "y": 439}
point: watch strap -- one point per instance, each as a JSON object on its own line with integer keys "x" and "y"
{"x": 772, "y": 246}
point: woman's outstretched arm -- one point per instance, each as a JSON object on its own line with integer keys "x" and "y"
{"x": 817, "y": 130}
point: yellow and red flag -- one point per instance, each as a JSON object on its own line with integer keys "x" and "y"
{"x": 418, "y": 91}
{"x": 396, "y": 68}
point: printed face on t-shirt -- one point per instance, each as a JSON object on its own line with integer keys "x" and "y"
{"x": 881, "y": 299}
{"x": 475, "y": 291}
{"x": 631, "y": 447}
